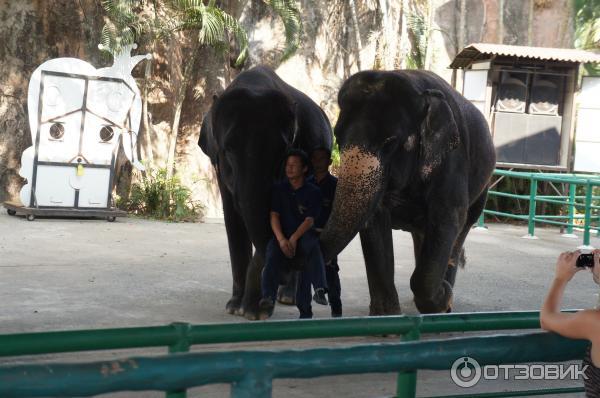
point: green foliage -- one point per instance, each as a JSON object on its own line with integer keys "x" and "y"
{"x": 335, "y": 154}
{"x": 211, "y": 24}
{"x": 587, "y": 29}
{"x": 417, "y": 27}
{"x": 128, "y": 24}
{"x": 290, "y": 15}
{"x": 160, "y": 197}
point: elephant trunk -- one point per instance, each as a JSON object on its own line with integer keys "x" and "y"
{"x": 360, "y": 182}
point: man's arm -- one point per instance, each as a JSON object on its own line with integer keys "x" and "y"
{"x": 302, "y": 228}
{"x": 276, "y": 227}
{"x": 284, "y": 244}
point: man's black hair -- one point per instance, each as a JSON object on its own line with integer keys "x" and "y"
{"x": 300, "y": 153}
{"x": 322, "y": 148}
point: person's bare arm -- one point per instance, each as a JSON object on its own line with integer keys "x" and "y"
{"x": 305, "y": 226}
{"x": 284, "y": 244}
{"x": 301, "y": 230}
{"x": 581, "y": 325}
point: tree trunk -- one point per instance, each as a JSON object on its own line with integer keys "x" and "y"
{"x": 404, "y": 44}
{"x": 356, "y": 29}
{"x": 148, "y": 156}
{"x": 179, "y": 98}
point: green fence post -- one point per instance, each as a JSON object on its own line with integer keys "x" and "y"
{"x": 532, "y": 193}
{"x": 182, "y": 345}
{"x": 572, "y": 189}
{"x": 407, "y": 381}
{"x": 481, "y": 221}
{"x": 588, "y": 213}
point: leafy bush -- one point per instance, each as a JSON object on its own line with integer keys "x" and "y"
{"x": 163, "y": 198}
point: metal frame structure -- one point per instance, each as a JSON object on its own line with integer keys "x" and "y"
{"x": 76, "y": 210}
{"x": 571, "y": 201}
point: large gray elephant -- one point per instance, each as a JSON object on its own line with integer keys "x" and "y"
{"x": 246, "y": 134}
{"x": 416, "y": 156}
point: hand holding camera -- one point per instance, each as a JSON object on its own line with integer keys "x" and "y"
{"x": 585, "y": 260}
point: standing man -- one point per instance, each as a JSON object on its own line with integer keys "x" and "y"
{"x": 321, "y": 160}
{"x": 295, "y": 205}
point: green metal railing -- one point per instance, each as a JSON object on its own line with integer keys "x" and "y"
{"x": 251, "y": 373}
{"x": 572, "y": 201}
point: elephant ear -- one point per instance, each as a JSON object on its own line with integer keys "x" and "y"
{"x": 439, "y": 133}
{"x": 207, "y": 141}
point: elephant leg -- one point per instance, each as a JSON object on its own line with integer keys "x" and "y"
{"x": 240, "y": 251}
{"x": 432, "y": 290}
{"x": 252, "y": 293}
{"x": 286, "y": 293}
{"x": 378, "y": 251}
{"x": 450, "y": 275}
{"x": 458, "y": 257}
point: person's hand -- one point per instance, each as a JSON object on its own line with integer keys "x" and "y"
{"x": 286, "y": 248}
{"x": 566, "y": 266}
{"x": 293, "y": 244}
{"x": 596, "y": 269}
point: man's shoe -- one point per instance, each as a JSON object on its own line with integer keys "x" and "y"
{"x": 319, "y": 296}
{"x": 336, "y": 314}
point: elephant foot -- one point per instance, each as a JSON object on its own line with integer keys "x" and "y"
{"x": 440, "y": 303}
{"x": 384, "y": 308}
{"x": 260, "y": 311}
{"x": 233, "y": 306}
{"x": 286, "y": 295}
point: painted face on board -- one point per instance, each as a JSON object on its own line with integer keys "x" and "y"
{"x": 79, "y": 118}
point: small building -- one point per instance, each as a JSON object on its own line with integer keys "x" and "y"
{"x": 542, "y": 115}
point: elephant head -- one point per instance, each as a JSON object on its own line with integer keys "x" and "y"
{"x": 387, "y": 122}
{"x": 246, "y": 133}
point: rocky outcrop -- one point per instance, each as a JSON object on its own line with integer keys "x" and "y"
{"x": 32, "y": 32}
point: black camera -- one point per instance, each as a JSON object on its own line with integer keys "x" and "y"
{"x": 585, "y": 260}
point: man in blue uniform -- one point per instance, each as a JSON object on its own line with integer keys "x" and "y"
{"x": 294, "y": 207}
{"x": 321, "y": 160}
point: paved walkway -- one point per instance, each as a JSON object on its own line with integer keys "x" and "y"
{"x": 78, "y": 274}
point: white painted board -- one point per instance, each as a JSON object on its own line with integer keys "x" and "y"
{"x": 587, "y": 128}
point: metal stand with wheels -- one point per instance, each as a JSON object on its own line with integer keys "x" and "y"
{"x": 31, "y": 213}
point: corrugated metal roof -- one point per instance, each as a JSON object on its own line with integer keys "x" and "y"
{"x": 477, "y": 51}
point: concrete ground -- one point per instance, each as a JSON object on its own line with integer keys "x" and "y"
{"x": 80, "y": 274}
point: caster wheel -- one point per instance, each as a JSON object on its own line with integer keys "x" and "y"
{"x": 11, "y": 212}
{"x": 30, "y": 217}
{"x": 111, "y": 218}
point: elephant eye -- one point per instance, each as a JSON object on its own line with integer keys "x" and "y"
{"x": 106, "y": 133}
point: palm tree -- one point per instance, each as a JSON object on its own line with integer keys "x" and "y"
{"x": 205, "y": 22}
{"x": 587, "y": 29}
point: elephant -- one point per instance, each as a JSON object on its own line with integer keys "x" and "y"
{"x": 417, "y": 156}
{"x": 246, "y": 134}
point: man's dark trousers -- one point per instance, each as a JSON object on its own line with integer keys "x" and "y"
{"x": 308, "y": 247}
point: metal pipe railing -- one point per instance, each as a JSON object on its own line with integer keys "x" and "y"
{"x": 251, "y": 372}
{"x": 174, "y": 334}
{"x": 589, "y": 182}
{"x": 180, "y": 336}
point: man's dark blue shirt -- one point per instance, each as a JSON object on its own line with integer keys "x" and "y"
{"x": 327, "y": 186}
{"x": 294, "y": 206}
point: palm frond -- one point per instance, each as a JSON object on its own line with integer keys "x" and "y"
{"x": 289, "y": 13}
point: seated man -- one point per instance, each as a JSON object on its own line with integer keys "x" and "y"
{"x": 321, "y": 160}
{"x": 295, "y": 205}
